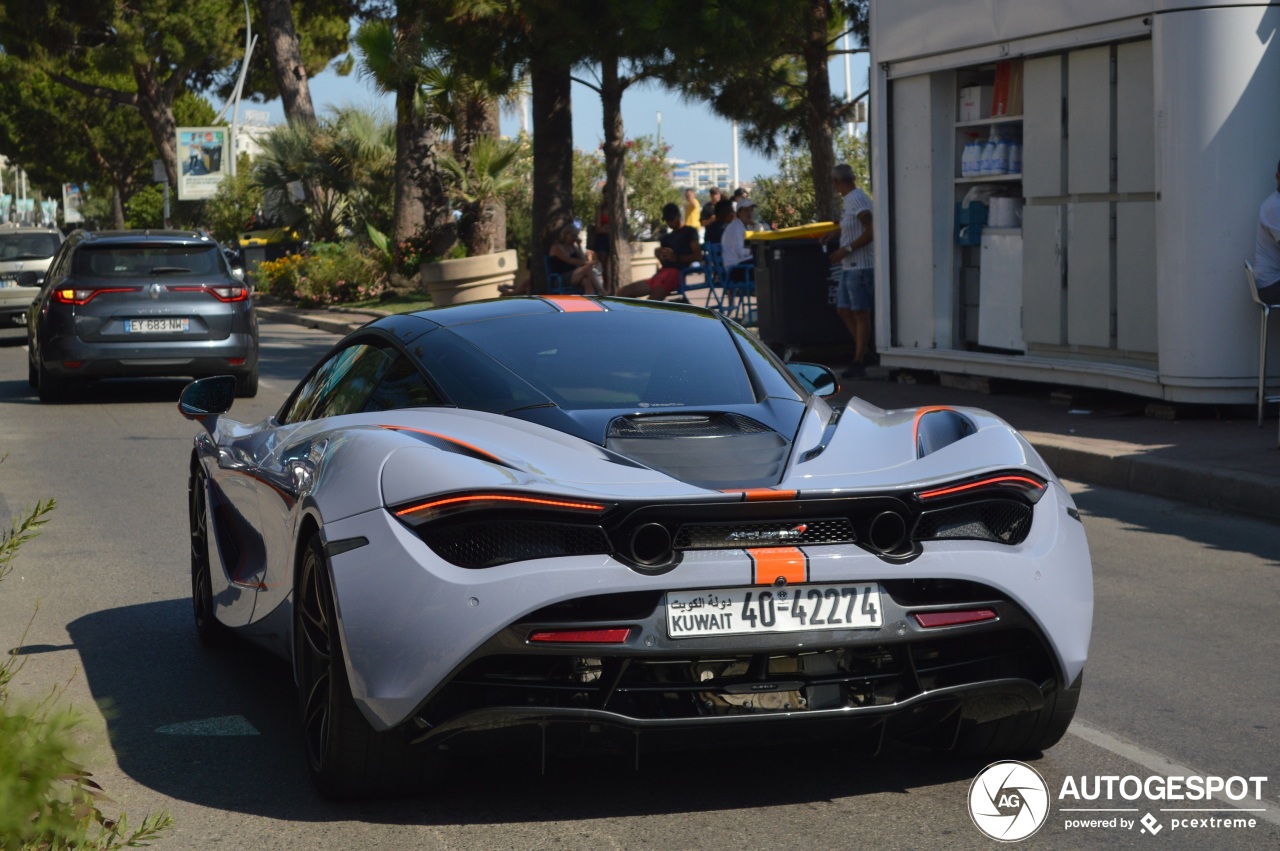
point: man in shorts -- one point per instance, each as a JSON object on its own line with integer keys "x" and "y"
{"x": 677, "y": 250}
{"x": 854, "y": 299}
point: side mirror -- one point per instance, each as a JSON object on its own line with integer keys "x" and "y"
{"x": 816, "y": 378}
{"x": 30, "y": 279}
{"x": 206, "y": 398}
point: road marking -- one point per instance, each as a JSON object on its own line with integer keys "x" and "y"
{"x": 1160, "y": 764}
{"x": 225, "y": 725}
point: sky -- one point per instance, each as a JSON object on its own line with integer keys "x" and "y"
{"x": 691, "y": 129}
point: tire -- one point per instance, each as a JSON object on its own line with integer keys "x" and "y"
{"x": 50, "y": 388}
{"x": 348, "y": 759}
{"x": 212, "y": 632}
{"x": 1024, "y": 734}
{"x": 33, "y": 375}
{"x": 247, "y": 384}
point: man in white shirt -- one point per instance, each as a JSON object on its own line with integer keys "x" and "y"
{"x": 1266, "y": 254}
{"x": 733, "y": 242}
{"x": 854, "y": 299}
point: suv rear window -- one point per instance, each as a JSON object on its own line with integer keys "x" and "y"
{"x": 132, "y": 261}
{"x": 27, "y": 246}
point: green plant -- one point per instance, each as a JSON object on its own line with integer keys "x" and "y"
{"x": 237, "y": 200}
{"x": 649, "y": 185}
{"x": 788, "y": 199}
{"x": 334, "y": 273}
{"x": 48, "y": 801}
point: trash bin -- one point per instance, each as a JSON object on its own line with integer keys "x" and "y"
{"x": 795, "y": 289}
{"x": 259, "y": 246}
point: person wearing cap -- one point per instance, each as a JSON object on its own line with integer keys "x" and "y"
{"x": 733, "y": 242}
{"x": 677, "y": 250}
{"x": 857, "y": 266}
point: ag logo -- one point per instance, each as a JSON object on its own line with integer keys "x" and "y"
{"x": 1008, "y": 801}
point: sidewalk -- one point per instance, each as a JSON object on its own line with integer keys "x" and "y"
{"x": 1104, "y": 439}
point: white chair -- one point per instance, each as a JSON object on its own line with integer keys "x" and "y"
{"x": 1262, "y": 340}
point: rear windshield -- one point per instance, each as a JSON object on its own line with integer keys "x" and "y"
{"x": 27, "y": 246}
{"x": 646, "y": 359}
{"x": 132, "y": 261}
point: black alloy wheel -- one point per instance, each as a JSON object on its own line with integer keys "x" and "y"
{"x": 347, "y": 757}
{"x": 50, "y": 388}
{"x": 208, "y": 627}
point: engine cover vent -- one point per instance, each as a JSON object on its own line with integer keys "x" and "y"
{"x": 713, "y": 451}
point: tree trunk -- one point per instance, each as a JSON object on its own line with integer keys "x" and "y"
{"x": 155, "y": 104}
{"x": 281, "y": 43}
{"x": 408, "y": 215}
{"x": 484, "y": 222}
{"x": 818, "y": 119}
{"x": 615, "y": 187}
{"x": 442, "y": 230}
{"x": 552, "y": 159}
{"x": 117, "y": 206}
{"x": 496, "y": 208}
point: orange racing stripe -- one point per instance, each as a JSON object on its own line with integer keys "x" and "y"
{"x": 773, "y": 563}
{"x": 574, "y": 303}
{"x": 762, "y": 494}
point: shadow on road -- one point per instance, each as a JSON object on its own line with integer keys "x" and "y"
{"x": 1205, "y": 526}
{"x": 218, "y": 728}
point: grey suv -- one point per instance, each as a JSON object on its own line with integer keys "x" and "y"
{"x": 137, "y": 303}
{"x": 25, "y": 253}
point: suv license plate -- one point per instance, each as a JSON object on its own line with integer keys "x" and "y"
{"x": 157, "y": 326}
{"x": 793, "y": 608}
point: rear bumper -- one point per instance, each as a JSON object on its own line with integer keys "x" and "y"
{"x": 105, "y": 360}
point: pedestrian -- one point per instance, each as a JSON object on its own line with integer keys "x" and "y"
{"x": 709, "y": 208}
{"x": 738, "y": 195}
{"x": 855, "y": 295}
{"x": 692, "y": 209}
{"x": 600, "y": 242}
{"x": 1266, "y": 252}
{"x": 714, "y": 230}
{"x": 578, "y": 268}
{"x": 677, "y": 250}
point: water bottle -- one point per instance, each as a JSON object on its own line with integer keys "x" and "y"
{"x": 1015, "y": 158}
{"x": 1000, "y": 159}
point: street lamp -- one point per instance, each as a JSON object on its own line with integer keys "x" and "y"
{"x": 249, "y": 41}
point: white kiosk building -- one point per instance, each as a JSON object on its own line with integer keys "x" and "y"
{"x": 1149, "y": 133}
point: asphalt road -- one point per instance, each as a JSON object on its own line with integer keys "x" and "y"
{"x": 1183, "y": 678}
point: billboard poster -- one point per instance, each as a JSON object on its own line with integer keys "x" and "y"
{"x": 49, "y": 212}
{"x": 6, "y": 203}
{"x": 203, "y": 153}
{"x": 72, "y": 201}
{"x": 26, "y": 209}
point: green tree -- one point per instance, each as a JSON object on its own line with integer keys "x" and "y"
{"x": 787, "y": 199}
{"x": 157, "y": 49}
{"x": 238, "y": 198}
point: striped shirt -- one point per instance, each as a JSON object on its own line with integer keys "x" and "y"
{"x": 850, "y": 229}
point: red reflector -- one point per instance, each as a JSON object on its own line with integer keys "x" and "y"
{"x": 932, "y": 619}
{"x": 235, "y": 361}
{"x": 72, "y": 364}
{"x": 581, "y": 636}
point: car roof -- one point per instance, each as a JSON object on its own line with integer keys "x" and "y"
{"x": 16, "y": 228}
{"x": 133, "y": 237}
{"x": 479, "y": 311}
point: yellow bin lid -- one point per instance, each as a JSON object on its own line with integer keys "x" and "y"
{"x": 812, "y": 231}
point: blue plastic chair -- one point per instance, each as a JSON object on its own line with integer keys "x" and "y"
{"x": 706, "y": 270}
{"x": 737, "y": 283}
{"x": 556, "y": 282}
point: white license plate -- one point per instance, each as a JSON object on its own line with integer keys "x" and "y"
{"x": 794, "y": 608}
{"x": 157, "y": 326}
{"x": 8, "y": 282}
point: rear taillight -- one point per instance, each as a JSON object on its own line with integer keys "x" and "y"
{"x": 580, "y": 636}
{"x": 235, "y": 292}
{"x": 996, "y": 507}
{"x": 930, "y": 620}
{"x": 1007, "y": 483}
{"x": 70, "y": 296}
{"x": 430, "y": 510}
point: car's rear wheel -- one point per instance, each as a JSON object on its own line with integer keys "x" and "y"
{"x": 247, "y": 384}
{"x": 208, "y": 627}
{"x": 33, "y": 375}
{"x": 49, "y": 387}
{"x": 348, "y": 758}
{"x": 1024, "y": 734}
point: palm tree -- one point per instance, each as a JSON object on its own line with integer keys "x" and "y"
{"x": 480, "y": 183}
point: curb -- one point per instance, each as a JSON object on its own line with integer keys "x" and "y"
{"x": 1236, "y": 493}
{"x": 1077, "y": 459}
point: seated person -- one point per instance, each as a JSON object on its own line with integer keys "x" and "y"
{"x": 677, "y": 249}
{"x": 715, "y": 228}
{"x": 578, "y": 268}
{"x": 733, "y": 242}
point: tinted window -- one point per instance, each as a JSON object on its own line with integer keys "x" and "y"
{"x": 774, "y": 381}
{"x": 131, "y": 261}
{"x": 27, "y": 246}
{"x": 402, "y": 387}
{"x": 623, "y": 358}
{"x": 341, "y": 385}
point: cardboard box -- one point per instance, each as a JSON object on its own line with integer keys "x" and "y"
{"x": 975, "y": 103}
